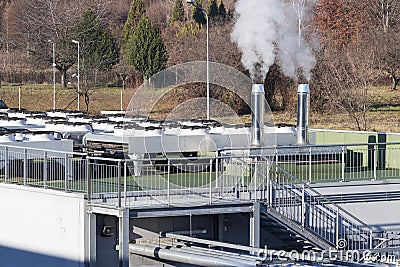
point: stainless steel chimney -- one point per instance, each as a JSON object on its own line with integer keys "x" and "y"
{"x": 303, "y": 91}
{"x": 257, "y": 115}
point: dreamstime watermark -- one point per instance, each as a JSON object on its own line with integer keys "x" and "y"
{"x": 330, "y": 255}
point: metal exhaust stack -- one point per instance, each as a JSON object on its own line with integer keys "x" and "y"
{"x": 303, "y": 91}
{"x": 257, "y": 115}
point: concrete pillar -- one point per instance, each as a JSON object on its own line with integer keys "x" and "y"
{"x": 91, "y": 240}
{"x": 255, "y": 226}
{"x": 124, "y": 238}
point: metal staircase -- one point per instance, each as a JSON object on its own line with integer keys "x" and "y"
{"x": 292, "y": 235}
{"x": 294, "y": 207}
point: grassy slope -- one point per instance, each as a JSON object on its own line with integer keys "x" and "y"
{"x": 40, "y": 98}
{"x": 384, "y": 114}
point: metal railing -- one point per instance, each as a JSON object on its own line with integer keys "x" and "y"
{"x": 333, "y": 163}
{"x": 201, "y": 181}
{"x": 350, "y": 163}
{"x": 301, "y": 204}
{"x": 175, "y": 182}
{"x": 125, "y": 182}
{"x": 43, "y": 168}
{"x": 273, "y": 178}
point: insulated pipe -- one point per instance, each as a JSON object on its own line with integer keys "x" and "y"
{"x": 185, "y": 257}
{"x": 303, "y": 92}
{"x": 257, "y": 115}
{"x": 220, "y": 254}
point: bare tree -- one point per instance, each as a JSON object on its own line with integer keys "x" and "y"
{"x": 36, "y": 23}
{"x": 385, "y": 29}
{"x": 159, "y": 13}
{"x": 346, "y": 75}
{"x": 388, "y": 55}
{"x": 385, "y": 13}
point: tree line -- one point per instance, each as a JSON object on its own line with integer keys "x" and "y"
{"x": 355, "y": 44}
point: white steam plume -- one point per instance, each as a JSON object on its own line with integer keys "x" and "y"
{"x": 273, "y": 29}
{"x": 255, "y": 32}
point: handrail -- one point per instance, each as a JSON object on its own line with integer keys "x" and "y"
{"x": 309, "y": 188}
{"x": 352, "y": 227}
{"x": 307, "y": 146}
{"x": 43, "y": 150}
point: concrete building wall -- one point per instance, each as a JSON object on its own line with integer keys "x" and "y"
{"x": 40, "y": 227}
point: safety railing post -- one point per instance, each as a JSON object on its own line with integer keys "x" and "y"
{"x": 45, "y": 178}
{"x": 25, "y": 166}
{"x": 220, "y": 174}
{"x": 303, "y": 206}
{"x": 337, "y": 228}
{"x": 375, "y": 160}
{"x": 66, "y": 164}
{"x": 371, "y": 239}
{"x": 6, "y": 165}
{"x": 262, "y": 182}
{"x": 169, "y": 183}
{"x": 88, "y": 181}
{"x": 310, "y": 165}
{"x": 217, "y": 181}
{"x": 343, "y": 164}
{"x": 255, "y": 179}
{"x": 119, "y": 183}
{"x": 125, "y": 183}
{"x": 241, "y": 184}
{"x": 210, "y": 200}
{"x": 268, "y": 184}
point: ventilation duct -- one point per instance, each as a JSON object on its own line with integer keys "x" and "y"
{"x": 303, "y": 92}
{"x": 257, "y": 115}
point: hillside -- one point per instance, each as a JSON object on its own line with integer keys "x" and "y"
{"x": 344, "y": 49}
{"x": 383, "y": 116}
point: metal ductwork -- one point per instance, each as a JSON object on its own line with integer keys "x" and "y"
{"x": 257, "y": 115}
{"x": 303, "y": 92}
{"x": 187, "y": 257}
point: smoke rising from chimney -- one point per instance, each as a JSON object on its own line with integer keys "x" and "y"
{"x": 255, "y": 32}
{"x": 269, "y": 30}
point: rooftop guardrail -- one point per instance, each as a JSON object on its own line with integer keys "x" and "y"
{"x": 192, "y": 181}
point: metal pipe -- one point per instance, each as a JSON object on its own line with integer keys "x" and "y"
{"x": 184, "y": 257}
{"x": 220, "y": 254}
{"x": 303, "y": 91}
{"x": 54, "y": 76}
{"x": 193, "y": 3}
{"x": 78, "y": 76}
{"x": 208, "y": 69}
{"x": 212, "y": 243}
{"x": 257, "y": 115}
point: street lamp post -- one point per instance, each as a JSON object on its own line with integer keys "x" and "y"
{"x": 54, "y": 74}
{"x": 77, "y": 42}
{"x": 191, "y": 2}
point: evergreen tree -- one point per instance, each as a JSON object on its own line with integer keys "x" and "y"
{"x": 221, "y": 10}
{"x": 135, "y": 12}
{"x": 197, "y": 13}
{"x": 212, "y": 9}
{"x": 146, "y": 51}
{"x": 178, "y": 13}
{"x": 99, "y": 51}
